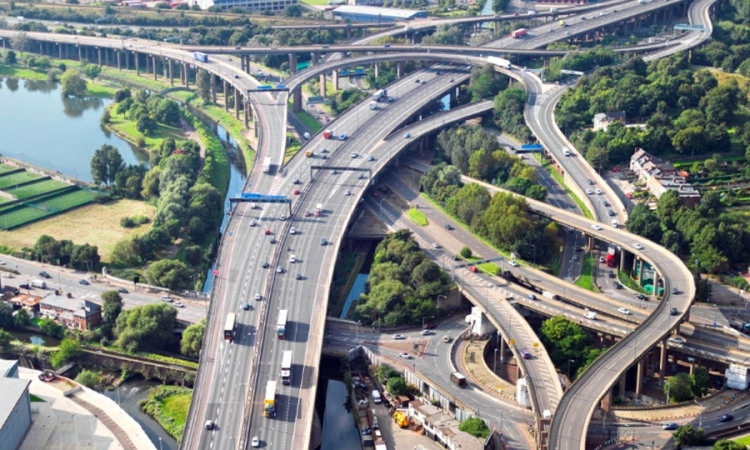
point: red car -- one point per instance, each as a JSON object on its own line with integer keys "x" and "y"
{"x": 267, "y": 232}
{"x": 307, "y": 214}
{"x": 629, "y": 195}
{"x": 472, "y": 268}
{"x": 296, "y": 192}
{"x": 615, "y": 169}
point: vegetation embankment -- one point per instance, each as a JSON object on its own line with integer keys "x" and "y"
{"x": 570, "y": 347}
{"x": 169, "y": 405}
{"x": 417, "y": 217}
{"x": 556, "y": 175}
{"x": 588, "y": 276}
{"x": 403, "y": 284}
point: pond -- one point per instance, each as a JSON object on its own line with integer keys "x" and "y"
{"x": 40, "y": 127}
{"x": 31, "y": 337}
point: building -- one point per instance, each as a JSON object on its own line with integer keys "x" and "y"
{"x": 15, "y": 407}
{"x": 25, "y": 301}
{"x": 252, "y": 5}
{"x": 442, "y": 427}
{"x": 71, "y": 312}
{"x": 661, "y": 176}
{"x": 602, "y": 120}
{"x": 356, "y": 13}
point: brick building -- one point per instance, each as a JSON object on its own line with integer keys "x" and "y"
{"x": 71, "y": 312}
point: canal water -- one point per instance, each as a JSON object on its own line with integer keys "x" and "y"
{"x": 40, "y": 127}
{"x": 332, "y": 405}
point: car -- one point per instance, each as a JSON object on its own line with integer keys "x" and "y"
{"x": 596, "y": 227}
{"x": 589, "y": 192}
{"x": 424, "y": 81}
{"x": 416, "y": 81}
{"x": 265, "y": 264}
{"x": 669, "y": 426}
{"x": 513, "y": 263}
{"x": 591, "y": 182}
{"x": 625, "y": 311}
{"x": 611, "y": 274}
{"x": 407, "y": 135}
{"x": 178, "y": 305}
{"x": 435, "y": 245}
{"x": 267, "y": 232}
{"x": 2, "y": 263}
{"x": 611, "y": 213}
{"x": 296, "y": 192}
{"x": 236, "y": 77}
{"x": 525, "y": 354}
{"x": 24, "y": 286}
{"x": 83, "y": 282}
{"x": 726, "y": 418}
{"x": 209, "y": 425}
{"x": 298, "y": 276}
{"x": 308, "y": 214}
{"x": 273, "y": 240}
{"x": 371, "y": 158}
{"x": 399, "y": 336}
{"x": 641, "y": 297}
{"x": 292, "y": 230}
{"x": 366, "y": 431}
{"x": 616, "y": 285}
{"x": 347, "y": 192}
{"x": 323, "y": 241}
{"x": 293, "y": 259}
{"x": 342, "y": 136}
{"x": 255, "y": 442}
{"x": 323, "y": 150}
{"x": 361, "y": 176}
{"x": 427, "y": 332}
{"x": 44, "y": 274}
{"x": 335, "y": 172}
{"x": 166, "y": 298}
{"x": 606, "y": 204}
{"x": 531, "y": 297}
{"x": 675, "y": 291}
{"x": 252, "y": 223}
{"x": 673, "y": 311}
{"x": 404, "y": 355}
{"x": 279, "y": 269}
{"x": 575, "y": 257}
{"x": 473, "y": 269}
{"x": 637, "y": 246}
{"x": 448, "y": 226}
{"x": 583, "y": 18}
{"x": 282, "y": 217}
{"x": 246, "y": 306}
{"x": 258, "y": 297}
{"x": 297, "y": 181}
{"x": 354, "y": 155}
{"x": 447, "y": 339}
{"x": 598, "y": 192}
{"x": 451, "y": 80}
{"x": 567, "y": 33}
{"x": 601, "y": 259}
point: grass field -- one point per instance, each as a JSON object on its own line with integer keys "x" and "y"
{"x": 418, "y": 217}
{"x": 309, "y": 121}
{"x": 68, "y": 200}
{"x": 586, "y": 280}
{"x": 4, "y": 168}
{"x": 18, "y": 72}
{"x": 744, "y": 440}
{"x": 315, "y": 2}
{"x": 94, "y": 224}
{"x": 126, "y": 129}
{"x": 21, "y": 216}
{"x": 169, "y": 405}
{"x": 17, "y": 178}
{"x": 36, "y": 188}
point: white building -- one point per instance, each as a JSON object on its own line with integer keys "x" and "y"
{"x": 442, "y": 427}
{"x": 252, "y": 5}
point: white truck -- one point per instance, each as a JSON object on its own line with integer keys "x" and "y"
{"x": 549, "y": 294}
{"x": 318, "y": 209}
{"x": 267, "y": 164}
{"x": 373, "y": 105}
{"x": 500, "y": 62}
{"x": 286, "y": 368}
{"x": 37, "y": 283}
{"x": 380, "y": 95}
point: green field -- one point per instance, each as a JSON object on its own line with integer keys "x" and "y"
{"x": 4, "y": 168}
{"x": 586, "y": 280}
{"x": 127, "y": 129}
{"x": 418, "y": 217}
{"x": 17, "y": 178}
{"x": 309, "y": 121}
{"x": 68, "y": 200}
{"x": 21, "y": 216}
{"x": 36, "y": 188}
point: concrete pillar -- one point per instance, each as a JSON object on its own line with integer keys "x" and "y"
{"x": 187, "y": 75}
{"x": 662, "y": 361}
{"x": 154, "y": 61}
{"x": 377, "y": 70}
{"x": 640, "y": 270}
{"x": 127, "y": 60}
{"x": 622, "y": 260}
{"x": 80, "y": 54}
{"x": 137, "y": 68}
{"x": 59, "y": 50}
{"x": 213, "y": 88}
{"x": 236, "y": 104}
{"x": 99, "y": 54}
{"x": 292, "y": 63}
{"x": 119, "y": 65}
{"x": 247, "y": 115}
{"x": 148, "y": 64}
{"x": 314, "y": 57}
{"x": 623, "y": 381}
{"x": 502, "y": 349}
{"x": 226, "y": 96}
{"x": 335, "y": 80}
{"x": 656, "y": 284}
{"x": 322, "y": 82}
{"x": 399, "y": 69}
{"x": 242, "y": 64}
{"x": 170, "y": 69}
{"x": 606, "y": 403}
{"x": 297, "y": 100}
{"x": 639, "y": 379}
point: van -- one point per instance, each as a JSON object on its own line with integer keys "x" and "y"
{"x": 615, "y": 223}
{"x": 566, "y": 152}
{"x": 459, "y": 379}
{"x": 209, "y": 425}
{"x": 376, "y": 397}
{"x": 591, "y": 315}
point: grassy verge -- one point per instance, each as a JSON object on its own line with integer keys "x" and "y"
{"x": 153, "y": 356}
{"x": 169, "y": 406}
{"x": 126, "y": 129}
{"x": 629, "y": 282}
{"x": 292, "y": 147}
{"x": 309, "y": 121}
{"x": 418, "y": 217}
{"x": 586, "y": 280}
{"x": 561, "y": 182}
{"x": 216, "y": 168}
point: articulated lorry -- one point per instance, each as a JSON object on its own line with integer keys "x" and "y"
{"x": 269, "y": 408}
{"x": 286, "y": 368}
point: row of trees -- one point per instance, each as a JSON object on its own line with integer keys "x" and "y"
{"x": 568, "y": 345}
{"x": 503, "y": 218}
{"x": 403, "y": 284}
{"x": 686, "y": 112}
{"x": 716, "y": 240}
{"x": 729, "y": 47}
{"x": 477, "y": 153}
{"x": 579, "y": 61}
{"x": 64, "y": 252}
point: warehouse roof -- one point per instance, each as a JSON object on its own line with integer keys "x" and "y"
{"x": 396, "y": 13}
{"x": 12, "y": 391}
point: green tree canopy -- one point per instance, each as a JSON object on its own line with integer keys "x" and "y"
{"x": 73, "y": 84}
{"x": 146, "y": 327}
{"x": 192, "y": 338}
{"x": 397, "y": 386}
{"x": 475, "y": 427}
{"x": 679, "y": 388}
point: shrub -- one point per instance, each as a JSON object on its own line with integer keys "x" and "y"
{"x": 90, "y": 379}
{"x": 127, "y": 222}
{"x": 466, "y": 252}
{"x": 475, "y": 427}
{"x": 103, "y": 198}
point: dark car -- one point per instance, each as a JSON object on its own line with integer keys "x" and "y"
{"x": 616, "y": 285}
{"x": 726, "y": 418}
{"x": 673, "y": 312}
{"x": 246, "y": 306}
{"x": 122, "y": 290}
{"x": 265, "y": 265}
{"x": 44, "y": 275}
{"x": 611, "y": 274}
{"x": 429, "y": 326}
{"x": 84, "y": 282}
{"x": 642, "y": 297}
{"x": 24, "y": 286}
{"x": 448, "y": 226}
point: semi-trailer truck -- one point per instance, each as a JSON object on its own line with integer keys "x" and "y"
{"x": 380, "y": 95}
{"x": 549, "y": 294}
{"x": 519, "y": 33}
{"x": 202, "y": 57}
{"x": 230, "y": 326}
{"x": 318, "y": 209}
{"x": 269, "y": 405}
{"x": 500, "y": 62}
{"x": 281, "y": 324}
{"x": 267, "y": 164}
{"x": 286, "y": 368}
{"x": 327, "y": 134}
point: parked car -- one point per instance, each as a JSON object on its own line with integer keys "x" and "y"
{"x": 399, "y": 336}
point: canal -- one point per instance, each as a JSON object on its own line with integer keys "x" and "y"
{"x": 333, "y": 406}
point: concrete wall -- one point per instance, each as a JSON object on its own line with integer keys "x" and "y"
{"x": 14, "y": 429}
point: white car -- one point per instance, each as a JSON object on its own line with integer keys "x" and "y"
{"x": 596, "y": 227}
{"x": 178, "y": 304}
{"x": 589, "y": 192}
{"x": 293, "y": 231}
{"x": 279, "y": 269}
{"x": 256, "y": 442}
{"x": 637, "y": 246}
{"x": 354, "y": 155}
{"x": 8, "y": 275}
{"x": 258, "y": 297}
{"x": 2, "y": 263}
{"x": 427, "y": 332}
{"x": 293, "y": 259}
{"x": 399, "y": 336}
{"x": 598, "y": 192}
{"x": 513, "y": 263}
{"x": 676, "y": 340}
{"x": 404, "y": 355}
{"x": 282, "y": 217}
{"x": 435, "y": 245}
{"x": 252, "y": 223}
{"x": 625, "y": 311}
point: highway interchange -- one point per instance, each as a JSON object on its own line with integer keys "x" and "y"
{"x": 231, "y": 378}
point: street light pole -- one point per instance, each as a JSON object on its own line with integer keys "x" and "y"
{"x": 494, "y": 369}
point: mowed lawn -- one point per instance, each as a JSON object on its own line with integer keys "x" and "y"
{"x": 69, "y": 200}
{"x": 13, "y": 179}
{"x": 94, "y": 224}
{"x": 36, "y": 188}
{"x": 127, "y": 129}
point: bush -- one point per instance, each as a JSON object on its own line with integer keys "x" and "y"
{"x": 102, "y": 199}
{"x": 90, "y": 379}
{"x": 68, "y": 349}
{"x": 466, "y": 252}
{"x": 50, "y": 328}
{"x": 475, "y": 427}
{"x": 127, "y": 222}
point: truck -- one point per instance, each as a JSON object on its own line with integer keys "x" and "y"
{"x": 286, "y": 368}
{"x": 563, "y": 23}
{"x": 269, "y": 404}
{"x": 202, "y": 57}
{"x": 553, "y": 11}
{"x": 230, "y": 326}
{"x": 267, "y": 164}
{"x": 500, "y": 62}
{"x": 611, "y": 259}
{"x": 318, "y": 209}
{"x": 309, "y": 153}
{"x": 373, "y": 105}
{"x": 327, "y": 134}
{"x": 380, "y": 95}
{"x": 521, "y": 32}
{"x": 549, "y": 294}
{"x": 37, "y": 283}
{"x": 281, "y": 324}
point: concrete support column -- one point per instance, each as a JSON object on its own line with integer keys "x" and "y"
{"x": 502, "y": 350}
{"x": 322, "y": 82}
{"x": 314, "y": 57}
{"x": 640, "y": 269}
{"x": 656, "y": 284}
{"x": 148, "y": 64}
{"x": 236, "y": 104}
{"x": 155, "y": 62}
{"x": 606, "y": 403}
{"x": 399, "y": 69}
{"x": 348, "y": 35}
{"x": 639, "y": 379}
{"x": 59, "y": 50}
{"x": 137, "y": 68}
{"x": 127, "y": 60}
{"x": 119, "y": 65}
{"x": 377, "y": 70}
{"x": 622, "y": 260}
{"x": 335, "y": 80}
{"x": 187, "y": 75}
{"x": 662, "y": 361}
{"x": 297, "y": 100}
{"x": 226, "y": 96}
{"x": 99, "y": 54}
{"x": 292, "y": 63}
{"x": 170, "y": 70}
{"x": 242, "y": 64}
{"x": 623, "y": 381}
{"x": 453, "y": 98}
{"x": 213, "y": 88}
{"x": 247, "y": 113}
{"x": 80, "y": 53}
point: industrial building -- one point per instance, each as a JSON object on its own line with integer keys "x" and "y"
{"x": 15, "y": 406}
{"x": 252, "y": 5}
{"x": 375, "y": 14}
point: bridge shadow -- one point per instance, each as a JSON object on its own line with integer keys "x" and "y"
{"x": 305, "y": 374}
{"x": 246, "y": 335}
{"x": 301, "y": 332}
{"x": 287, "y": 407}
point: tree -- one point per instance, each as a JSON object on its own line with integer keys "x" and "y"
{"x": 203, "y": 85}
{"x": 192, "y": 338}
{"x": 122, "y": 94}
{"x": 10, "y": 58}
{"x": 466, "y": 252}
{"x": 146, "y": 125}
{"x": 701, "y": 381}
{"x": 499, "y": 5}
{"x": 20, "y": 42}
{"x": 22, "y": 318}
{"x": 73, "y": 85}
{"x": 643, "y": 222}
{"x": 687, "y": 436}
{"x": 475, "y": 427}
{"x": 679, "y": 388}
{"x": 170, "y": 273}
{"x": 146, "y": 327}
{"x": 383, "y": 373}
{"x": 726, "y": 444}
{"x": 92, "y": 71}
{"x": 292, "y": 11}
{"x": 51, "y": 328}
{"x": 5, "y": 339}
{"x": 68, "y": 349}
{"x": 397, "y": 386}
{"x": 111, "y": 308}
{"x": 106, "y": 163}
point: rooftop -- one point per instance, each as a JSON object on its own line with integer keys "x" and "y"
{"x": 76, "y": 305}
{"x": 7, "y": 366}
{"x": 396, "y": 13}
{"x": 12, "y": 391}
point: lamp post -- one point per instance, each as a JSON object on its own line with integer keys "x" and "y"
{"x": 570, "y": 361}
{"x": 438, "y": 304}
{"x": 494, "y": 368}
{"x": 160, "y": 446}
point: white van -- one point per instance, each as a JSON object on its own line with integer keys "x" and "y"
{"x": 376, "y": 397}
{"x": 615, "y": 223}
{"x": 591, "y": 315}
{"x": 566, "y": 152}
